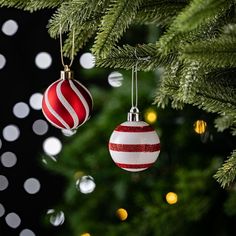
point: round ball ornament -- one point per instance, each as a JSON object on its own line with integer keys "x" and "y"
{"x": 134, "y": 145}
{"x": 67, "y": 104}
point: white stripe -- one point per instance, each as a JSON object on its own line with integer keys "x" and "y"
{"x": 134, "y": 138}
{"x": 53, "y": 111}
{"x": 135, "y": 123}
{"x": 85, "y": 90}
{"x": 81, "y": 97}
{"x": 134, "y": 157}
{"x": 67, "y": 105}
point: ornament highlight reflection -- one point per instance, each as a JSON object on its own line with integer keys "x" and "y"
{"x": 56, "y": 218}
{"x": 115, "y": 79}
{"x": 68, "y": 132}
{"x": 85, "y": 184}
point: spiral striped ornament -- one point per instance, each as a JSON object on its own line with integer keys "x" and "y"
{"x": 134, "y": 146}
{"x": 67, "y": 104}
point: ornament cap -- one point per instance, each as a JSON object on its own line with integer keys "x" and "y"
{"x": 133, "y": 114}
{"x": 66, "y": 73}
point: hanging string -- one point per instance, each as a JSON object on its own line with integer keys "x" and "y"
{"x": 134, "y": 86}
{"x": 72, "y": 49}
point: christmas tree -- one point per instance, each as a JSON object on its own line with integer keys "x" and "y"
{"x": 193, "y": 42}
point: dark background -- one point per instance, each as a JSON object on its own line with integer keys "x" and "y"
{"x": 20, "y": 78}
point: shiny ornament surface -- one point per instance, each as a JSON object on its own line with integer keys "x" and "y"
{"x": 134, "y": 146}
{"x": 67, "y": 104}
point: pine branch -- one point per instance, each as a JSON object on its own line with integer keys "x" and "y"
{"x": 82, "y": 34}
{"x": 189, "y": 82}
{"x": 226, "y": 174}
{"x": 31, "y": 5}
{"x": 168, "y": 85}
{"x": 209, "y": 95}
{"x": 146, "y": 55}
{"x": 75, "y": 14}
{"x": 158, "y": 12}
{"x": 216, "y": 53}
{"x": 224, "y": 122}
{"x": 174, "y": 39}
{"x": 201, "y": 12}
{"x": 117, "y": 19}
{"x": 233, "y": 131}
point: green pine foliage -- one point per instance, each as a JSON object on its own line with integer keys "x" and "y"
{"x": 226, "y": 174}
{"x": 197, "y": 37}
{"x": 185, "y": 166}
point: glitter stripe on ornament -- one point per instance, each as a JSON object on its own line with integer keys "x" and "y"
{"x": 134, "y": 169}
{"x": 66, "y": 104}
{"x": 122, "y": 128}
{"x": 134, "y": 157}
{"x": 134, "y": 148}
{"x": 53, "y": 112}
{"x": 134, "y": 166}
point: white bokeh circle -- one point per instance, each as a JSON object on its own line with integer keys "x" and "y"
{"x": 11, "y": 133}
{"x": 52, "y": 146}
{"x": 2, "y": 210}
{"x": 8, "y": 159}
{"x": 27, "y": 232}
{"x": 9, "y": 27}
{"x": 2, "y": 61}
{"x": 87, "y": 60}
{"x": 43, "y": 60}
{"x": 35, "y": 101}
{"x": 32, "y": 185}
{"x": 40, "y": 127}
{"x": 13, "y": 220}
{"x": 21, "y": 110}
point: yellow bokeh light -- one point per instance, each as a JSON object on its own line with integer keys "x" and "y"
{"x": 200, "y": 126}
{"x": 122, "y": 214}
{"x": 78, "y": 174}
{"x": 150, "y": 116}
{"x": 86, "y": 234}
{"x": 171, "y": 198}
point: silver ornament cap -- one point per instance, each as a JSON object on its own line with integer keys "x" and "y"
{"x": 133, "y": 114}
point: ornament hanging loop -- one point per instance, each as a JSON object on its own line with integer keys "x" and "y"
{"x": 133, "y": 114}
{"x": 134, "y": 86}
{"x": 67, "y": 73}
{"x": 67, "y": 67}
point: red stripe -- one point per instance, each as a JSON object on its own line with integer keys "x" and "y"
{"x": 50, "y": 117}
{"x": 86, "y": 94}
{"x": 134, "y": 166}
{"x": 122, "y": 128}
{"x": 57, "y": 106}
{"x": 134, "y": 147}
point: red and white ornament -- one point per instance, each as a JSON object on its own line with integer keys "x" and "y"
{"x": 67, "y": 104}
{"x": 134, "y": 145}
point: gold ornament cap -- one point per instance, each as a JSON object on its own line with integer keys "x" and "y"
{"x": 67, "y": 73}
